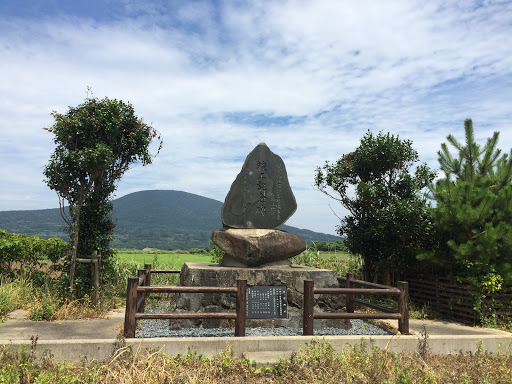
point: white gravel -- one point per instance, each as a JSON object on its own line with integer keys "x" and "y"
{"x": 160, "y": 328}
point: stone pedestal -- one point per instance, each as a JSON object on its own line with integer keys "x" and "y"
{"x": 205, "y": 274}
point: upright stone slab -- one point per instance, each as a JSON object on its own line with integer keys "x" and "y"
{"x": 260, "y": 197}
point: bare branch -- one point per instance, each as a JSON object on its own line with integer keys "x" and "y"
{"x": 63, "y": 212}
{"x": 332, "y": 210}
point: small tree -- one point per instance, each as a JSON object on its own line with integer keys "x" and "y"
{"x": 96, "y": 143}
{"x": 473, "y": 213}
{"x": 389, "y": 220}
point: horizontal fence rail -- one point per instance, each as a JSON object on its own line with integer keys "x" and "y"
{"x": 359, "y": 291}
{"x": 139, "y": 287}
{"x": 454, "y": 300}
{"x": 402, "y": 315}
{"x": 181, "y": 289}
{"x": 213, "y": 315}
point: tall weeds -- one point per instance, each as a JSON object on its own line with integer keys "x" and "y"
{"x": 339, "y": 263}
{"x": 317, "y": 362}
{"x": 15, "y": 293}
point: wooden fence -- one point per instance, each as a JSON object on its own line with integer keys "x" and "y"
{"x": 402, "y": 315}
{"x": 454, "y": 301}
{"x": 139, "y": 287}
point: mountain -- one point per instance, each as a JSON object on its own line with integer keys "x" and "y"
{"x": 155, "y": 219}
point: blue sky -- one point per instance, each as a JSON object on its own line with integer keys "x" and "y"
{"x": 309, "y": 78}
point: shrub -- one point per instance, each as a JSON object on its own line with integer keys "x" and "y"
{"x": 389, "y": 221}
{"x": 27, "y": 254}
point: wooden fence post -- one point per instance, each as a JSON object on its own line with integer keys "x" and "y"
{"x": 403, "y": 307}
{"x": 241, "y": 310}
{"x": 349, "y": 303}
{"x": 131, "y": 307}
{"x": 147, "y": 267}
{"x": 147, "y": 283}
{"x": 141, "y": 273}
{"x": 308, "y": 308}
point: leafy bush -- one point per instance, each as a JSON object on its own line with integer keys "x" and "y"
{"x": 330, "y": 246}
{"x": 389, "y": 220}
{"x": 34, "y": 277}
{"x": 216, "y": 252}
{"x": 20, "y": 252}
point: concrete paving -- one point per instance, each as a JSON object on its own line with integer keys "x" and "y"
{"x": 443, "y": 327}
{"x": 100, "y": 338}
{"x": 18, "y": 327}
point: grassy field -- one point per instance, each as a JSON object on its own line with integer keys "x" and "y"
{"x": 339, "y": 262}
{"x": 175, "y": 259}
{"x": 161, "y": 259}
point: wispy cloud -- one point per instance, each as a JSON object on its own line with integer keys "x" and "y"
{"x": 216, "y": 78}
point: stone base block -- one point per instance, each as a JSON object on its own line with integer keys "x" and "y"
{"x": 205, "y": 274}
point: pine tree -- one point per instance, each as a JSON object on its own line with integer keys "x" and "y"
{"x": 473, "y": 213}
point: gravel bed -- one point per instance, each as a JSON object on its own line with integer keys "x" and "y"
{"x": 160, "y": 328}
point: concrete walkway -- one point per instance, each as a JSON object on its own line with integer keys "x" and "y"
{"x": 18, "y": 328}
{"x": 443, "y": 327}
{"x": 99, "y": 338}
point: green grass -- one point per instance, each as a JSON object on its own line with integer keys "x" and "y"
{"x": 44, "y": 301}
{"x": 14, "y": 294}
{"x": 161, "y": 259}
{"x": 175, "y": 259}
{"x": 338, "y": 262}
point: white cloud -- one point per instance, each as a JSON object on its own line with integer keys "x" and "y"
{"x": 206, "y": 76}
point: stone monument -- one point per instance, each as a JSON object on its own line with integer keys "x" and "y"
{"x": 259, "y": 201}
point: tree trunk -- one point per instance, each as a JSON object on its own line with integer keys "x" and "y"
{"x": 95, "y": 277}
{"x": 74, "y": 249}
{"x": 388, "y": 276}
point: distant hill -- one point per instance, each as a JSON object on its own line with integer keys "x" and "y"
{"x": 153, "y": 219}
